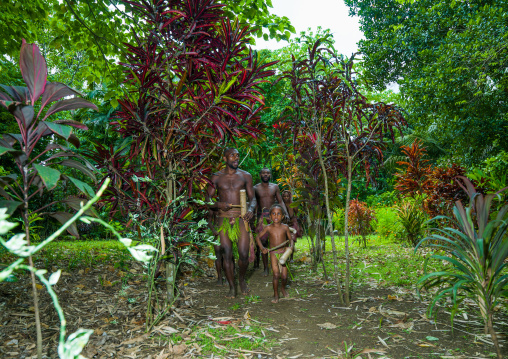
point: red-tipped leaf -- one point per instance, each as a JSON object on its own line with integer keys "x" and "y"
{"x": 33, "y": 69}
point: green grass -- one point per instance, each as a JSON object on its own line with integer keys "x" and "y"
{"x": 72, "y": 255}
{"x": 231, "y": 338}
{"x": 384, "y": 262}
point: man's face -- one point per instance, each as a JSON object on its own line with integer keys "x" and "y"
{"x": 286, "y": 197}
{"x": 276, "y": 215}
{"x": 265, "y": 175}
{"x": 232, "y": 159}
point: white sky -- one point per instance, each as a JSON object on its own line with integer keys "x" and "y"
{"x": 329, "y": 14}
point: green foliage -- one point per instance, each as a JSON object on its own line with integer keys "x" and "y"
{"x": 412, "y": 219}
{"x": 384, "y": 199}
{"x": 86, "y": 38}
{"x": 475, "y": 244}
{"x": 387, "y": 223}
{"x": 449, "y": 58}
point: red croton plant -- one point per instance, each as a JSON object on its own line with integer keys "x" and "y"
{"x": 438, "y": 184}
{"x": 194, "y": 87}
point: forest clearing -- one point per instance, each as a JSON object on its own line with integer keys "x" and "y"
{"x": 211, "y": 178}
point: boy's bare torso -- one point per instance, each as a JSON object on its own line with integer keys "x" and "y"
{"x": 277, "y": 234}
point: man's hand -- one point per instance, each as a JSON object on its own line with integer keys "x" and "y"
{"x": 248, "y": 216}
{"x": 264, "y": 250}
{"x": 224, "y": 206}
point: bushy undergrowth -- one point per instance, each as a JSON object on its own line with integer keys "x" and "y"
{"x": 387, "y": 225}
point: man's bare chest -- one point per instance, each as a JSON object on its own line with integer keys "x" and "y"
{"x": 231, "y": 183}
{"x": 265, "y": 192}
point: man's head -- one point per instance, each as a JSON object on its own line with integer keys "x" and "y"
{"x": 286, "y": 196}
{"x": 232, "y": 158}
{"x": 266, "y": 175}
{"x": 276, "y": 213}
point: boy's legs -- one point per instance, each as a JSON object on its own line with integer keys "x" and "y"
{"x": 284, "y": 278}
{"x": 276, "y": 276}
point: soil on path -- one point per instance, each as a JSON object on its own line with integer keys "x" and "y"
{"x": 382, "y": 322}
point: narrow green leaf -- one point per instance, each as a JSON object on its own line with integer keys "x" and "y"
{"x": 83, "y": 187}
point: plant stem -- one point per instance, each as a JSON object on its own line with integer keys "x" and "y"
{"x": 31, "y": 263}
{"x": 346, "y": 227}
{"x": 330, "y": 227}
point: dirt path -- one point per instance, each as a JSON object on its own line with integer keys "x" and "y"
{"x": 381, "y": 322}
{"x": 388, "y": 322}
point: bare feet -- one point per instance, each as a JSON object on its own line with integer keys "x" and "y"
{"x": 231, "y": 293}
{"x": 244, "y": 288}
{"x": 275, "y": 300}
{"x": 284, "y": 293}
{"x": 265, "y": 272}
{"x": 220, "y": 282}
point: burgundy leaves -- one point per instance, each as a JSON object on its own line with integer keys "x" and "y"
{"x": 33, "y": 69}
{"x": 34, "y": 165}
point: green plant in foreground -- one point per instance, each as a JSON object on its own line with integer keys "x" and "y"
{"x": 477, "y": 248}
{"x": 20, "y": 247}
{"x": 413, "y": 220}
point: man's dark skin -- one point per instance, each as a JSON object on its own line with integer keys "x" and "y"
{"x": 228, "y": 184}
{"x": 266, "y": 195}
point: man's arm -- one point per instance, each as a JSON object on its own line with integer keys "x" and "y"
{"x": 211, "y": 223}
{"x": 281, "y": 202}
{"x": 252, "y": 196}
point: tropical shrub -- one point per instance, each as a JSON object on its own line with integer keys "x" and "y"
{"x": 437, "y": 184}
{"x": 414, "y": 176}
{"x": 40, "y": 148}
{"x": 444, "y": 190}
{"x": 475, "y": 244}
{"x": 412, "y": 220}
{"x": 387, "y": 224}
{"x": 385, "y": 199}
{"x": 360, "y": 218}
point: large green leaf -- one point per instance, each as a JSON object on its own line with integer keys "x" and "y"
{"x": 61, "y": 130}
{"x": 83, "y": 187}
{"x": 49, "y": 175}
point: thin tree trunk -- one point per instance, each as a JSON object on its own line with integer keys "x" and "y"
{"x": 493, "y": 335}
{"x": 330, "y": 226}
{"x": 346, "y": 229}
{"x": 31, "y": 263}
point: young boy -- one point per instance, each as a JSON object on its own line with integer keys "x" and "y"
{"x": 278, "y": 233}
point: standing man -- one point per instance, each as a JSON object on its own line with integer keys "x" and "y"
{"x": 266, "y": 195}
{"x": 231, "y": 226}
